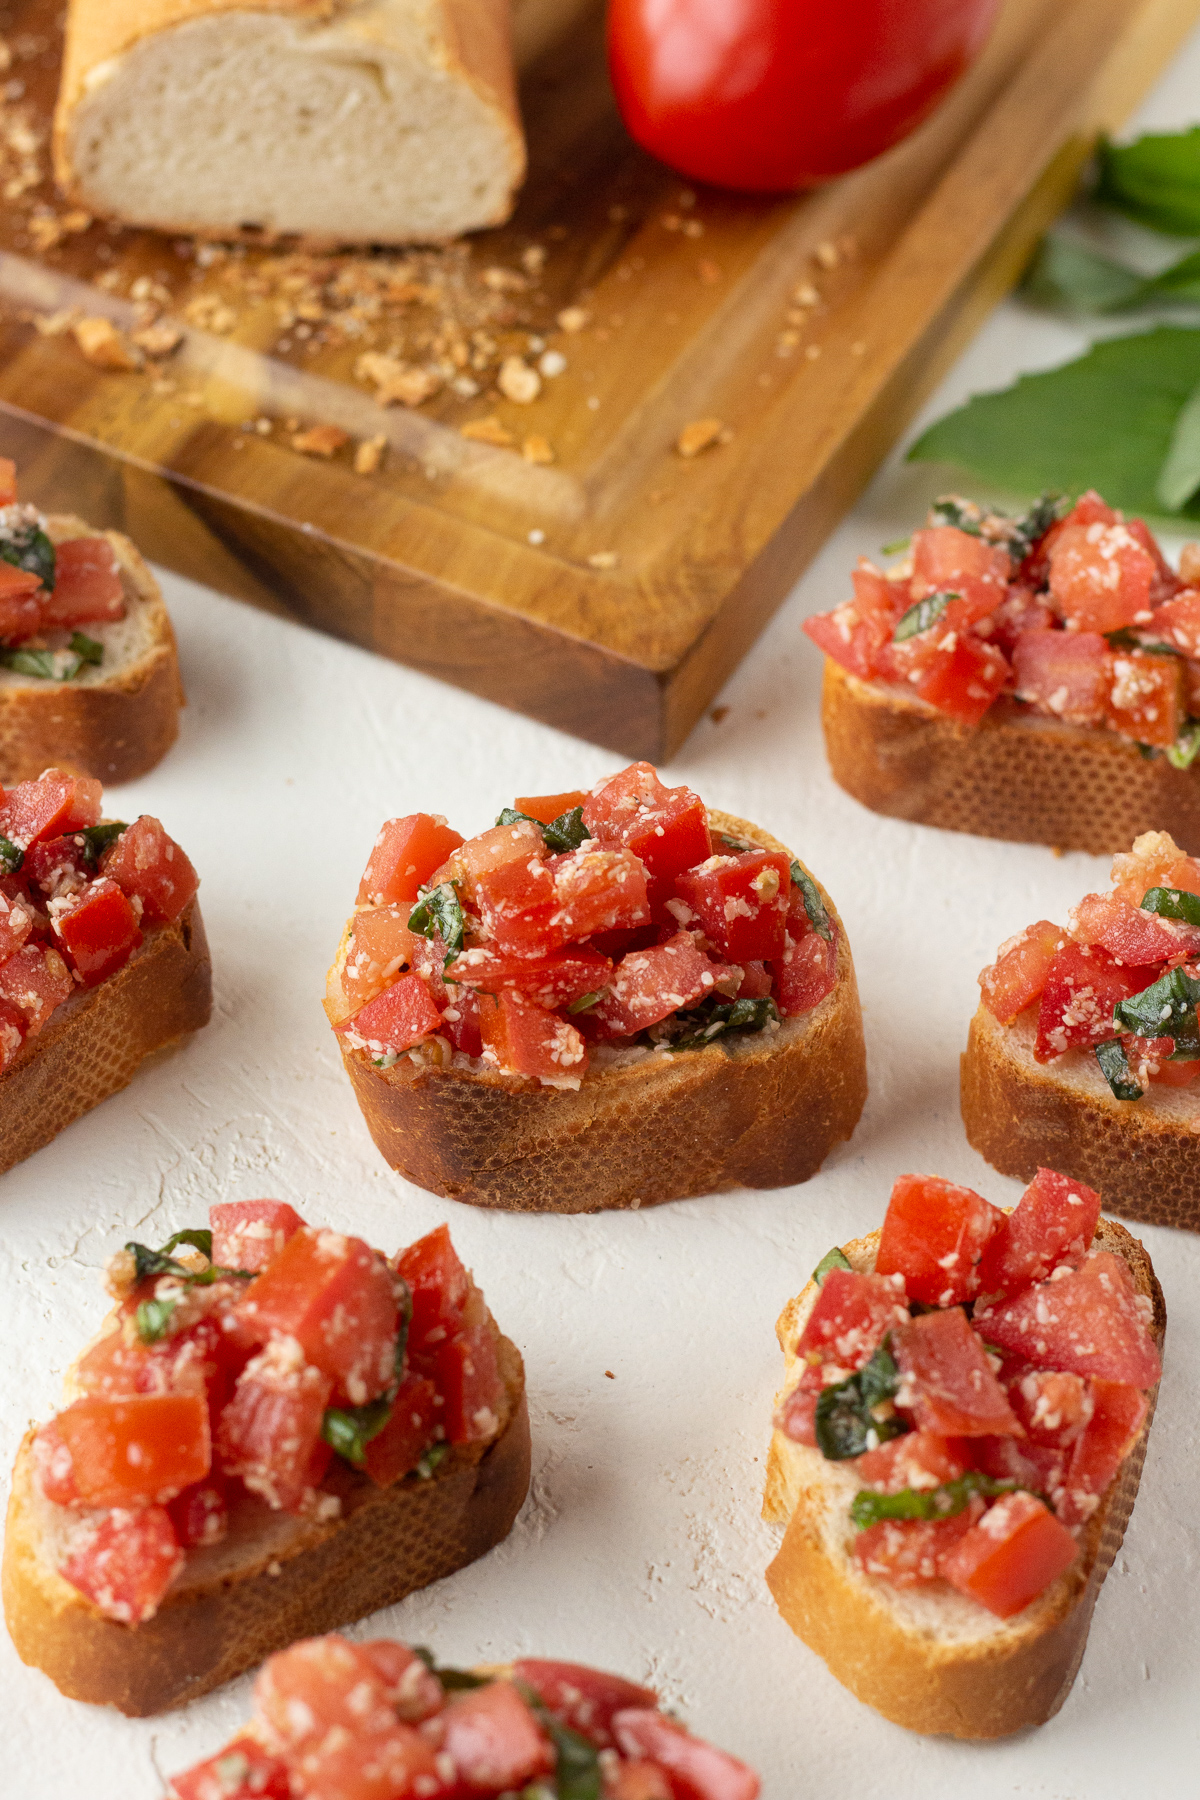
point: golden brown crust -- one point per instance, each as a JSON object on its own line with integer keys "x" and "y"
{"x": 1021, "y": 778}
{"x": 113, "y": 730}
{"x": 388, "y": 1543}
{"x": 978, "y": 1686}
{"x": 758, "y": 1112}
{"x": 1142, "y": 1156}
{"x": 92, "y": 1045}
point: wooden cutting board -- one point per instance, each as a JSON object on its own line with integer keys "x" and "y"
{"x": 611, "y": 590}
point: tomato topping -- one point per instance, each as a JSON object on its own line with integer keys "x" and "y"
{"x": 1178, "y": 623}
{"x": 468, "y": 1374}
{"x": 582, "y": 1698}
{"x": 380, "y": 947}
{"x": 949, "y": 561}
{"x": 953, "y": 670}
{"x": 1087, "y": 1322}
{"x": 1017, "y": 1549}
{"x": 806, "y": 972}
{"x": 1100, "y": 577}
{"x": 125, "y": 1562}
{"x": 946, "y": 1369}
{"x": 150, "y": 866}
{"x": 49, "y": 807}
{"x": 918, "y": 1459}
{"x": 200, "y": 1513}
{"x": 697, "y": 1771}
{"x": 33, "y": 983}
{"x": 1018, "y": 975}
{"x": 934, "y": 1234}
{"x": 13, "y": 1026}
{"x": 396, "y": 1019}
{"x": 87, "y": 584}
{"x": 1129, "y": 934}
{"x": 1065, "y": 673}
{"x": 396, "y": 1763}
{"x": 1021, "y": 610}
{"x": 408, "y": 1433}
{"x": 493, "y": 1739}
{"x": 243, "y": 1770}
{"x": 1148, "y": 699}
{"x": 847, "y": 1324}
{"x": 549, "y": 980}
{"x": 57, "y": 866}
{"x": 1053, "y": 1222}
{"x": 638, "y": 1780}
{"x": 910, "y": 1552}
{"x": 1083, "y": 985}
{"x": 489, "y": 850}
{"x": 666, "y": 828}
{"x": 248, "y": 1234}
{"x": 320, "y": 1685}
{"x": 525, "y": 1039}
{"x": 1118, "y": 1414}
{"x": 597, "y": 890}
{"x": 757, "y": 981}
{"x": 16, "y": 923}
{"x": 855, "y": 633}
{"x": 404, "y": 856}
{"x": 1154, "y": 861}
{"x": 742, "y": 902}
{"x": 650, "y": 985}
{"x": 336, "y": 1298}
{"x": 20, "y": 602}
{"x": 145, "y": 1447}
{"x": 270, "y": 1432}
{"x": 548, "y": 807}
{"x": 439, "y": 1286}
{"x": 98, "y": 931}
{"x": 413, "y": 1692}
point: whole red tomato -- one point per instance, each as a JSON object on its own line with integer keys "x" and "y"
{"x": 773, "y": 95}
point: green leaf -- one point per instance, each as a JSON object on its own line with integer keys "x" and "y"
{"x": 43, "y": 665}
{"x": 432, "y": 1458}
{"x": 1186, "y": 748}
{"x": 953, "y": 1497}
{"x": 1105, "y": 420}
{"x": 1167, "y": 1008}
{"x": 455, "y": 1681}
{"x": 832, "y": 1259}
{"x": 923, "y": 616}
{"x": 30, "y": 549}
{"x": 1063, "y": 273}
{"x": 87, "y": 649}
{"x": 714, "y": 1021}
{"x": 565, "y": 833}
{"x": 814, "y": 906}
{"x": 577, "y": 1766}
{"x": 11, "y": 857}
{"x": 350, "y": 1429}
{"x": 1114, "y": 1066}
{"x": 896, "y": 545}
{"x": 199, "y": 1238}
{"x": 148, "y": 1262}
{"x": 586, "y": 1002}
{"x": 97, "y": 838}
{"x": 853, "y": 1412}
{"x": 948, "y": 509}
{"x": 439, "y": 912}
{"x": 1172, "y": 903}
{"x": 153, "y": 1319}
{"x": 1155, "y": 180}
{"x": 1179, "y": 476}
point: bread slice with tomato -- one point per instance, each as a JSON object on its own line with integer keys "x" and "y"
{"x": 1036, "y": 679}
{"x": 1085, "y": 1049}
{"x": 327, "y": 1709}
{"x": 89, "y": 671}
{"x": 103, "y": 957}
{"x": 606, "y": 1000}
{"x": 957, "y": 1449}
{"x": 277, "y": 1430}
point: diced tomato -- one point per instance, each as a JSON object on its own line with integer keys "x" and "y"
{"x": 1100, "y": 577}
{"x": 637, "y": 1780}
{"x": 1154, "y": 861}
{"x": 34, "y": 982}
{"x": 1053, "y": 1222}
{"x": 493, "y": 1739}
{"x": 551, "y": 980}
{"x": 270, "y": 1433}
{"x": 87, "y": 584}
{"x": 16, "y": 923}
{"x": 515, "y": 900}
{"x": 849, "y": 1320}
{"x": 468, "y": 1375}
{"x": 408, "y": 1433}
{"x": 243, "y": 1770}
{"x": 21, "y": 599}
{"x": 918, "y": 1459}
{"x": 1083, "y": 985}
{"x": 396, "y": 1019}
{"x": 380, "y": 948}
{"x": 1018, "y": 975}
{"x": 1053, "y": 1408}
{"x": 1128, "y": 933}
{"x": 204, "y": 1358}
{"x": 397, "y": 1762}
{"x": 934, "y": 1234}
{"x": 1178, "y": 622}
{"x": 248, "y": 1234}
{"x": 583, "y": 1699}
{"x": 1118, "y": 1413}
{"x": 404, "y": 856}
{"x": 13, "y": 1029}
{"x": 336, "y": 1298}
{"x": 757, "y": 980}
{"x": 200, "y": 1513}
{"x": 1020, "y": 610}
{"x": 98, "y": 931}
{"x": 548, "y": 807}
{"x": 487, "y": 851}
{"x": 910, "y": 1552}
{"x": 652, "y": 984}
{"x": 742, "y": 902}
{"x": 666, "y": 828}
{"x": 1067, "y": 674}
{"x": 955, "y": 1392}
{"x": 1036, "y": 1466}
{"x": 1148, "y": 700}
{"x": 525, "y": 1039}
{"x": 951, "y": 669}
{"x": 57, "y": 866}
{"x": 146, "y": 1447}
{"x": 947, "y": 560}
{"x": 439, "y": 1286}
{"x": 319, "y": 1685}
{"x": 150, "y": 866}
{"x": 797, "y": 1417}
{"x": 596, "y": 891}
{"x": 696, "y": 1770}
{"x": 125, "y": 1562}
{"x": 1167, "y": 1074}
{"x": 855, "y": 632}
{"x": 49, "y": 807}
{"x": 1088, "y": 1322}
{"x": 412, "y": 1690}
{"x": 1017, "y": 1549}
{"x": 1165, "y": 583}
{"x": 461, "y": 1021}
{"x": 806, "y": 971}
{"x": 8, "y": 481}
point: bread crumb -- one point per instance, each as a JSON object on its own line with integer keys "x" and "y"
{"x": 104, "y": 345}
{"x": 537, "y": 449}
{"x": 208, "y": 313}
{"x": 503, "y": 281}
{"x": 603, "y": 559}
{"x": 320, "y": 440}
{"x": 572, "y": 319}
{"x": 55, "y": 323}
{"x": 827, "y": 255}
{"x": 533, "y": 259}
{"x": 488, "y": 431}
{"x": 517, "y": 381}
{"x": 699, "y": 435}
{"x": 159, "y": 339}
{"x": 552, "y": 363}
{"x": 395, "y": 380}
{"x": 719, "y": 713}
{"x": 610, "y": 1374}
{"x": 368, "y": 458}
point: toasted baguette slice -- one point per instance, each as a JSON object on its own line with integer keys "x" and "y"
{"x": 1143, "y": 1156}
{"x": 1017, "y": 776}
{"x": 114, "y": 720}
{"x": 372, "y": 121}
{"x": 747, "y": 1111}
{"x": 932, "y": 1659}
{"x": 273, "y": 1579}
{"x": 93, "y": 1043}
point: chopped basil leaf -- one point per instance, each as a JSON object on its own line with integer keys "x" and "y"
{"x": 962, "y": 515}
{"x": 153, "y": 1319}
{"x": 565, "y": 833}
{"x": 1172, "y": 903}
{"x": 896, "y": 545}
{"x": 97, "y": 838}
{"x": 857, "y": 1415}
{"x": 713, "y": 1022}
{"x": 1165, "y": 1009}
{"x": 32, "y": 551}
{"x": 923, "y": 616}
{"x": 832, "y": 1259}
{"x": 577, "y": 1763}
{"x": 404, "y": 1310}
{"x": 389, "y": 1059}
{"x": 199, "y": 1239}
{"x": 1033, "y": 525}
{"x": 814, "y": 906}
{"x": 1184, "y": 751}
{"x": 11, "y": 857}
{"x": 454, "y": 1680}
{"x": 868, "y": 1508}
{"x": 431, "y": 1459}
{"x": 148, "y": 1262}
{"x": 439, "y": 910}
{"x": 510, "y": 816}
{"x": 350, "y": 1429}
{"x": 586, "y": 1002}
{"x": 1114, "y": 1066}
{"x": 737, "y": 845}
{"x": 87, "y": 649}
{"x": 45, "y": 665}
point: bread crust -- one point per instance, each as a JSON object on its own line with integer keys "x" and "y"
{"x": 1013, "y": 776}
{"x": 116, "y": 729}
{"x": 92, "y": 1045}
{"x": 760, "y": 1111}
{"x": 1143, "y": 1155}
{"x": 221, "y": 1620}
{"x": 1016, "y": 1674}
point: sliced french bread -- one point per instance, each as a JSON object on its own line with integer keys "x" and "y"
{"x": 370, "y": 121}
{"x": 932, "y": 1659}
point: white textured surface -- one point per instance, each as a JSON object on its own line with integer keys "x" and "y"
{"x": 640, "y": 1548}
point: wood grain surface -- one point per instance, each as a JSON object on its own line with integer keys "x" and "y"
{"x": 610, "y": 591}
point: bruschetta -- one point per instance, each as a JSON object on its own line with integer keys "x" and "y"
{"x": 103, "y": 958}
{"x": 89, "y": 673}
{"x": 957, "y": 1449}
{"x": 336, "y": 1720}
{"x": 1085, "y": 1049}
{"x": 1036, "y": 679}
{"x": 276, "y": 1431}
{"x": 606, "y": 1000}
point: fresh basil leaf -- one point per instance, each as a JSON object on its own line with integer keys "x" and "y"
{"x": 458, "y": 1680}
{"x": 160, "y": 1262}
{"x": 153, "y": 1262}
{"x": 199, "y": 1239}
{"x": 949, "y": 510}
{"x": 97, "y": 838}
{"x": 1179, "y": 476}
{"x": 153, "y": 1319}
{"x": 894, "y": 548}
{"x": 31, "y": 550}
{"x": 736, "y": 845}
{"x": 43, "y": 665}
{"x": 439, "y": 911}
{"x": 832, "y": 1259}
{"x": 350, "y": 1429}
{"x": 1033, "y": 525}
{"x": 436, "y": 1454}
{"x": 510, "y": 816}
{"x": 854, "y": 1412}
{"x": 586, "y": 1002}
{"x": 404, "y": 1312}
{"x": 923, "y": 616}
{"x": 1165, "y": 1009}
{"x": 945, "y": 1502}
{"x": 87, "y": 649}
{"x": 1114, "y": 1066}
{"x": 713, "y": 1022}
{"x": 814, "y": 906}
{"x": 577, "y": 1762}
{"x": 1172, "y": 903}
{"x": 1155, "y": 180}
{"x": 11, "y": 857}
{"x": 565, "y": 833}
{"x": 1186, "y": 748}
